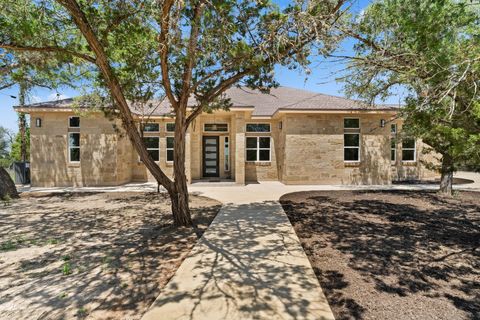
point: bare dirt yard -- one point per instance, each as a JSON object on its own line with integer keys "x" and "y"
{"x": 392, "y": 254}
{"x": 91, "y": 255}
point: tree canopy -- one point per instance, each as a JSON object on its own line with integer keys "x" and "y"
{"x": 131, "y": 51}
{"x": 431, "y": 49}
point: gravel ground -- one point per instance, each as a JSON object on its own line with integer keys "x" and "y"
{"x": 392, "y": 254}
{"x": 91, "y": 255}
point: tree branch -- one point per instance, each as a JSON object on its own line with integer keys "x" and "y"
{"x": 19, "y": 48}
{"x": 163, "y": 48}
{"x": 192, "y": 46}
{"x": 115, "y": 89}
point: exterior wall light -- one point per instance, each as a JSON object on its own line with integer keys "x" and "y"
{"x": 38, "y": 122}
{"x": 382, "y": 123}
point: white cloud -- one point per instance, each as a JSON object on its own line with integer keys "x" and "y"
{"x": 56, "y": 96}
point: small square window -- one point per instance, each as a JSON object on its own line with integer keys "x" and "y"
{"x": 151, "y": 127}
{"x": 215, "y": 127}
{"x": 351, "y": 123}
{"x": 170, "y": 126}
{"x": 74, "y": 122}
{"x": 258, "y": 127}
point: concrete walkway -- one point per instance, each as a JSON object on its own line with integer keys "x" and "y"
{"x": 248, "y": 265}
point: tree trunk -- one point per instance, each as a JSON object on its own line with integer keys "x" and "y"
{"x": 22, "y": 124}
{"x": 7, "y": 186}
{"x": 179, "y": 196}
{"x": 446, "y": 181}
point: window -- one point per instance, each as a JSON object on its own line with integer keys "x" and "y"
{"x": 151, "y": 143}
{"x": 74, "y": 122}
{"x": 408, "y": 150}
{"x": 226, "y": 155}
{"x": 74, "y": 147}
{"x": 215, "y": 127}
{"x": 170, "y": 126}
{"x": 151, "y": 127}
{"x": 258, "y": 148}
{"x": 393, "y": 149}
{"x": 351, "y": 123}
{"x": 258, "y": 127}
{"x": 170, "y": 144}
{"x": 351, "y": 140}
{"x": 393, "y": 128}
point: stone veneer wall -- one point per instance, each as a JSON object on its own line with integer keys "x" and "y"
{"x": 307, "y": 149}
{"x": 49, "y": 153}
{"x": 314, "y": 150}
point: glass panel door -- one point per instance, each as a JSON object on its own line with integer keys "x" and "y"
{"x": 210, "y": 157}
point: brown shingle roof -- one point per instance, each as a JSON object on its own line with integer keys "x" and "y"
{"x": 281, "y": 98}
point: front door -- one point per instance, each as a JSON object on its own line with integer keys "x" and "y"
{"x": 210, "y": 157}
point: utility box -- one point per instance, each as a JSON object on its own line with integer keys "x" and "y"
{"x": 22, "y": 172}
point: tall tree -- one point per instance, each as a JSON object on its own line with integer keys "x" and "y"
{"x": 137, "y": 50}
{"x": 431, "y": 49}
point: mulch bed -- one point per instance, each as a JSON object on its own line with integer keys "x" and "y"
{"x": 392, "y": 254}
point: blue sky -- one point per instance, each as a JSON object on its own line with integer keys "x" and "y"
{"x": 321, "y": 79}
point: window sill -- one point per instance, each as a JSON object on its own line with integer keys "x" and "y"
{"x": 351, "y": 163}
{"x": 259, "y": 163}
{"x": 169, "y": 163}
{"x": 74, "y": 164}
{"x": 409, "y": 163}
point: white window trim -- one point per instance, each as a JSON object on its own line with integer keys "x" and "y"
{"x": 166, "y": 149}
{"x": 257, "y": 132}
{"x": 143, "y": 127}
{"x": 140, "y": 160}
{"x": 396, "y": 128}
{"x": 219, "y": 132}
{"x": 352, "y": 131}
{"x": 73, "y": 147}
{"x": 166, "y": 124}
{"x": 394, "y": 148}
{"x": 350, "y": 147}
{"x": 414, "y": 152}
{"x": 258, "y": 150}
{"x": 70, "y": 117}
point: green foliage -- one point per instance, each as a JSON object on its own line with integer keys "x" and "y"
{"x": 5, "y": 142}
{"x": 431, "y": 50}
{"x": 242, "y": 38}
{"x": 15, "y": 153}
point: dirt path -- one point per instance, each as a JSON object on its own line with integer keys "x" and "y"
{"x": 392, "y": 254}
{"x": 90, "y": 255}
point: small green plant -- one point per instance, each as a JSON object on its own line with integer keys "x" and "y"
{"x": 62, "y": 295}
{"x": 52, "y": 241}
{"x": 6, "y": 200}
{"x": 66, "y": 269}
{"x": 82, "y": 312}
{"x": 8, "y": 246}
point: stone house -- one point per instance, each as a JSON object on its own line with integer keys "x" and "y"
{"x": 291, "y": 135}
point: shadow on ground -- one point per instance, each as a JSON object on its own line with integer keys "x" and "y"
{"x": 249, "y": 265}
{"x": 392, "y": 254}
{"x": 102, "y": 255}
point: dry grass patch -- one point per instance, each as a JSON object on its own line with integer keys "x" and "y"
{"x": 91, "y": 255}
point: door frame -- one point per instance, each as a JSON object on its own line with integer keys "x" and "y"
{"x": 205, "y": 174}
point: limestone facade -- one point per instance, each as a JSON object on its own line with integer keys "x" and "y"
{"x": 305, "y": 148}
